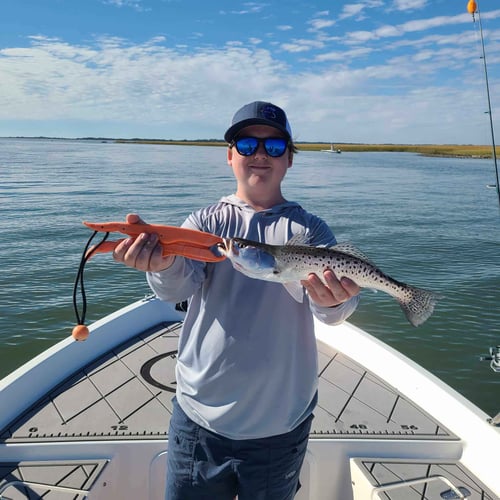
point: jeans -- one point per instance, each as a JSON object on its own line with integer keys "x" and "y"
{"x": 202, "y": 465}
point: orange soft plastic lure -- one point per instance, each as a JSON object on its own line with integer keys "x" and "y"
{"x": 196, "y": 245}
{"x": 189, "y": 243}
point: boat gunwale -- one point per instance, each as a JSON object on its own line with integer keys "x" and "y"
{"x": 414, "y": 382}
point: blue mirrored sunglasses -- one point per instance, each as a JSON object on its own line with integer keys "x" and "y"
{"x": 274, "y": 146}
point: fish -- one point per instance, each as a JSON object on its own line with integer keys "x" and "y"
{"x": 290, "y": 263}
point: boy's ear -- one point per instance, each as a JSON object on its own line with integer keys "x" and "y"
{"x": 229, "y": 156}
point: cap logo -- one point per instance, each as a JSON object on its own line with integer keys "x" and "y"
{"x": 269, "y": 112}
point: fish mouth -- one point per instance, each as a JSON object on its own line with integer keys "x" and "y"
{"x": 227, "y": 247}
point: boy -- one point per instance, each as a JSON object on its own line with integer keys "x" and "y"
{"x": 247, "y": 362}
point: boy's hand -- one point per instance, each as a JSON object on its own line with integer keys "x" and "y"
{"x": 334, "y": 293}
{"x": 144, "y": 252}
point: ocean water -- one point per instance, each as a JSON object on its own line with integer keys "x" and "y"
{"x": 431, "y": 222}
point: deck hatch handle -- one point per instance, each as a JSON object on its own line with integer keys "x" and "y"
{"x": 453, "y": 493}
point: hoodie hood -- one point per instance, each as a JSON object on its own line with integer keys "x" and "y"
{"x": 276, "y": 209}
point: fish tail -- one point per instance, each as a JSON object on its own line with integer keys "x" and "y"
{"x": 417, "y": 304}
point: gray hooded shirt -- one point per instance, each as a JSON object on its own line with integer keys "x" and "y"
{"x": 247, "y": 359}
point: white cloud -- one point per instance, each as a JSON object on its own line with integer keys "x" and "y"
{"x": 301, "y": 45}
{"x": 344, "y": 55}
{"x": 410, "y": 4}
{"x": 414, "y": 26}
{"x": 134, "y": 4}
{"x": 356, "y": 9}
{"x": 153, "y": 90}
{"x": 320, "y": 21}
{"x": 388, "y": 31}
{"x": 433, "y": 22}
{"x": 319, "y": 24}
{"x": 250, "y": 8}
{"x": 351, "y": 10}
{"x": 122, "y": 82}
{"x": 360, "y": 37}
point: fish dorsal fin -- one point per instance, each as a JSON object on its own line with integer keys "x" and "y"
{"x": 350, "y": 249}
{"x": 298, "y": 239}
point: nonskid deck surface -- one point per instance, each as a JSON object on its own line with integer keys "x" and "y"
{"x": 69, "y": 479}
{"x": 127, "y": 394}
{"x": 428, "y": 480}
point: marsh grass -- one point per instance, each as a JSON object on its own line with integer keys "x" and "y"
{"x": 448, "y": 150}
{"x": 453, "y": 150}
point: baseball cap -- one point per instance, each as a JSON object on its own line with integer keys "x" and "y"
{"x": 258, "y": 113}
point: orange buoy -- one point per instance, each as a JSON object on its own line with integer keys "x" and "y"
{"x": 472, "y": 7}
{"x": 80, "y": 332}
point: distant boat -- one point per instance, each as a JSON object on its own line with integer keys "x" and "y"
{"x": 332, "y": 150}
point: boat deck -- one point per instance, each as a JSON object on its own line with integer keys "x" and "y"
{"x": 126, "y": 395}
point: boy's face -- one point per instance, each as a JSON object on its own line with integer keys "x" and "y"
{"x": 259, "y": 174}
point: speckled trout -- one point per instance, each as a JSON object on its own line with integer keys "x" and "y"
{"x": 289, "y": 264}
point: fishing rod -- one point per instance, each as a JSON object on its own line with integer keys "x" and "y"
{"x": 473, "y": 9}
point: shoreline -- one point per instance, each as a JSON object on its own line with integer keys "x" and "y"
{"x": 433, "y": 150}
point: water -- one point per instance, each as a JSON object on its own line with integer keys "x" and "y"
{"x": 428, "y": 221}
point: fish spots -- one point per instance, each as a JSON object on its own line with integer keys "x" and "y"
{"x": 291, "y": 263}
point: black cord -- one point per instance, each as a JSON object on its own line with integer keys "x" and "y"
{"x": 79, "y": 279}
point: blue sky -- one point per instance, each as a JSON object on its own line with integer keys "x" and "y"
{"x": 394, "y": 71}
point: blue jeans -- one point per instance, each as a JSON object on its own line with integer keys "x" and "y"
{"x": 202, "y": 465}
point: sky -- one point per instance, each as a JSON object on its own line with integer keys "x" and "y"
{"x": 369, "y": 71}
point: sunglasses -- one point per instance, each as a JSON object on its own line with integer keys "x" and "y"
{"x": 274, "y": 146}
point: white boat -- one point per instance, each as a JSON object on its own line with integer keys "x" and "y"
{"x": 332, "y": 150}
{"x": 90, "y": 419}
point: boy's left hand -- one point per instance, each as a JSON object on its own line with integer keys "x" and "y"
{"x": 334, "y": 293}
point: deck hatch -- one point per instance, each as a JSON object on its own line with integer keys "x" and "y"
{"x": 70, "y": 479}
{"x": 398, "y": 474}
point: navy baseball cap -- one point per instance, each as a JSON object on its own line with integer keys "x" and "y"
{"x": 258, "y": 113}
